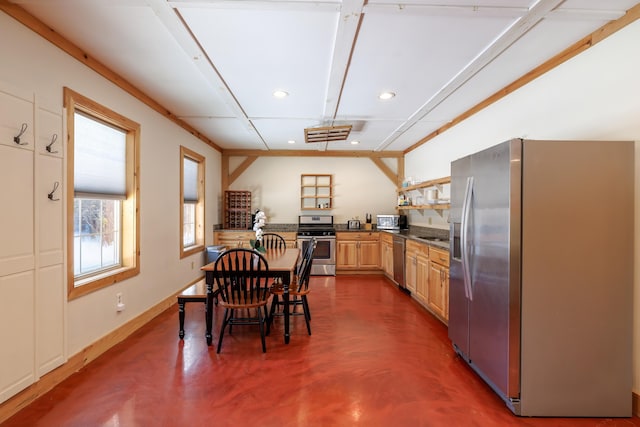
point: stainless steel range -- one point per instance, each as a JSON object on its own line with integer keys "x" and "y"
{"x": 320, "y": 227}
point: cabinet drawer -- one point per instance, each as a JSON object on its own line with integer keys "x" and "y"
{"x": 386, "y": 238}
{"x": 418, "y": 248}
{"x": 365, "y": 235}
{"x": 439, "y": 256}
{"x": 232, "y": 238}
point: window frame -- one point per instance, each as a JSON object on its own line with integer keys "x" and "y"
{"x": 186, "y": 251}
{"x": 130, "y": 238}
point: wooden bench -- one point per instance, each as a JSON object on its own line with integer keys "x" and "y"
{"x": 194, "y": 293}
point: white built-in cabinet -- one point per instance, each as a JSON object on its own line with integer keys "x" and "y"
{"x": 32, "y": 230}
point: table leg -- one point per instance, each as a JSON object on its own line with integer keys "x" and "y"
{"x": 181, "y": 318}
{"x": 285, "y": 301}
{"x": 209, "y": 306}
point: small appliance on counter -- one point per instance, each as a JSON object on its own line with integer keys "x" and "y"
{"x": 367, "y": 225}
{"x": 353, "y": 224}
{"x": 392, "y": 222}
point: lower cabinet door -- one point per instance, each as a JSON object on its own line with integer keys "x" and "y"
{"x": 422, "y": 279}
{"x": 50, "y": 318}
{"x": 16, "y": 221}
{"x": 437, "y": 291}
{"x": 17, "y": 332}
{"x": 346, "y": 254}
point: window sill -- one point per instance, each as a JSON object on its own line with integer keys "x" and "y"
{"x": 101, "y": 280}
{"x": 185, "y": 252}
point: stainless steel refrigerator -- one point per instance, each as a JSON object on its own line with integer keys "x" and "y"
{"x": 541, "y": 280}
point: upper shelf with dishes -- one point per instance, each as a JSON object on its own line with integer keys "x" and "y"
{"x": 432, "y": 194}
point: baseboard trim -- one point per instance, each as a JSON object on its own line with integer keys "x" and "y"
{"x": 359, "y": 272}
{"x": 635, "y": 398}
{"x": 76, "y": 362}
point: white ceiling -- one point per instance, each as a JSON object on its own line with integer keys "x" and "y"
{"x": 216, "y": 63}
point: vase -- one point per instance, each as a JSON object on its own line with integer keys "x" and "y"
{"x": 257, "y": 246}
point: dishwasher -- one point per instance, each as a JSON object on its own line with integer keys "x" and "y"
{"x": 398, "y": 261}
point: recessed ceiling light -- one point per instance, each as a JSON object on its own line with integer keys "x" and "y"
{"x": 291, "y": 141}
{"x": 280, "y": 94}
{"x": 355, "y": 142}
{"x": 386, "y": 95}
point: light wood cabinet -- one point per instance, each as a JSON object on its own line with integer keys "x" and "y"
{"x": 240, "y": 239}
{"x": 233, "y": 239}
{"x": 438, "y": 291}
{"x": 386, "y": 253}
{"x": 290, "y": 237}
{"x": 316, "y": 192}
{"x": 427, "y": 277}
{"x": 358, "y": 251}
{"x": 410, "y": 268}
{"x": 416, "y": 269}
{"x": 422, "y": 278}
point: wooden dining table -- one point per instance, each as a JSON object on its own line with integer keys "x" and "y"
{"x": 282, "y": 265}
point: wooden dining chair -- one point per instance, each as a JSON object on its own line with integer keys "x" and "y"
{"x": 273, "y": 241}
{"x": 298, "y": 290}
{"x": 243, "y": 290}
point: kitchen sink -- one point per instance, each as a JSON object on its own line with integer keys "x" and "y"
{"x": 432, "y": 239}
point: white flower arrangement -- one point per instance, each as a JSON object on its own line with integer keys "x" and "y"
{"x": 259, "y": 222}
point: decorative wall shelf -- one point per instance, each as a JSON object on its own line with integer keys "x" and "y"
{"x": 417, "y": 193}
{"x": 316, "y": 192}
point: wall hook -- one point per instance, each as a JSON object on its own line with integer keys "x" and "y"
{"x": 16, "y": 138}
{"x": 55, "y": 187}
{"x": 54, "y": 138}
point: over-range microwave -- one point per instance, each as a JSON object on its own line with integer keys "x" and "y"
{"x": 392, "y": 222}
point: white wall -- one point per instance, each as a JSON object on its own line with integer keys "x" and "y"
{"x": 359, "y": 187}
{"x": 588, "y": 97}
{"x": 32, "y": 63}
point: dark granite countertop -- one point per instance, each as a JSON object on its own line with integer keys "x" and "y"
{"x": 434, "y": 237}
{"x": 438, "y": 239}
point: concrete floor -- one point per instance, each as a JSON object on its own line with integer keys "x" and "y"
{"x": 376, "y": 358}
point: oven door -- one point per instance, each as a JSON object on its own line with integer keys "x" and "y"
{"x": 324, "y": 257}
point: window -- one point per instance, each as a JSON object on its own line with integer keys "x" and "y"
{"x": 191, "y": 202}
{"x": 102, "y": 172}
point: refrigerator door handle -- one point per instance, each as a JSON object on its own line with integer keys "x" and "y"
{"x": 466, "y": 211}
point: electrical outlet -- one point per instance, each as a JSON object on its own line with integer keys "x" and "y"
{"x": 193, "y": 264}
{"x": 119, "y": 302}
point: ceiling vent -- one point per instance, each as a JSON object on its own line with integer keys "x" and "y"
{"x": 327, "y": 133}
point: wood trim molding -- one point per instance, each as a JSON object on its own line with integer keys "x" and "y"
{"x": 240, "y": 169}
{"x": 228, "y": 177}
{"x": 386, "y": 170}
{"x": 49, "y": 34}
{"x": 580, "y": 46}
{"x": 314, "y": 153}
{"x": 84, "y": 357}
{"x": 635, "y": 398}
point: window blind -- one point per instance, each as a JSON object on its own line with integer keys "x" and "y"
{"x": 99, "y": 159}
{"x": 190, "y": 180}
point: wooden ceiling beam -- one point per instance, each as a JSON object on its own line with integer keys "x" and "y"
{"x": 314, "y": 153}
